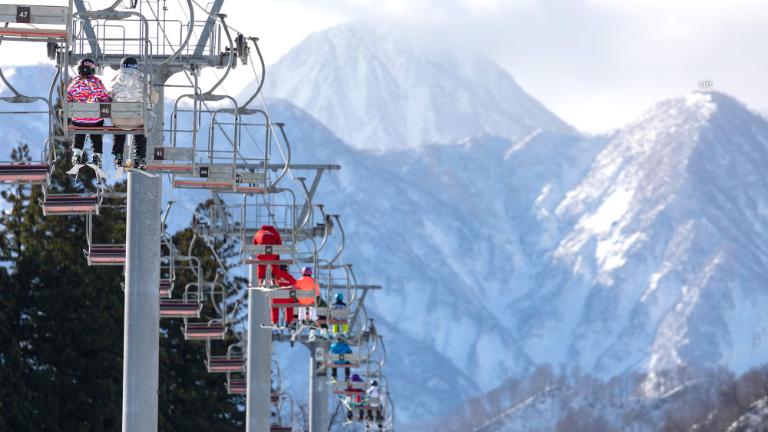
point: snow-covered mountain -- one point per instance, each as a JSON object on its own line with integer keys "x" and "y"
{"x": 377, "y": 89}
{"x": 661, "y": 252}
{"x": 636, "y": 252}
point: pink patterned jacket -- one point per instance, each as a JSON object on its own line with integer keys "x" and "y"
{"x": 87, "y": 89}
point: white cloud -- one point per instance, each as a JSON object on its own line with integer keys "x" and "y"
{"x": 596, "y": 63}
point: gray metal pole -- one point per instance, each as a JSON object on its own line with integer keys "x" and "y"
{"x": 141, "y": 346}
{"x": 259, "y": 359}
{"x": 318, "y": 387}
{"x": 141, "y": 350}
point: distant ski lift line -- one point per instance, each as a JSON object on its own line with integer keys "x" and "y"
{"x": 152, "y": 273}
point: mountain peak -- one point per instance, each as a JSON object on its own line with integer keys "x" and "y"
{"x": 379, "y": 88}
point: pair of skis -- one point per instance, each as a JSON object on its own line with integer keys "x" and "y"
{"x": 75, "y": 171}
{"x": 101, "y": 175}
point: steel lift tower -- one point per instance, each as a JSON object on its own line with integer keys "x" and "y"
{"x": 144, "y": 228}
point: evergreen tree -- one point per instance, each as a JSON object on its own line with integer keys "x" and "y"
{"x": 61, "y": 327}
{"x": 191, "y": 398}
{"x": 65, "y": 317}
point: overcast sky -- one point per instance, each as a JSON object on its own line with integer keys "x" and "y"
{"x": 596, "y": 63}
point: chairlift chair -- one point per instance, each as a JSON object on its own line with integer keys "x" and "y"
{"x": 25, "y": 173}
{"x": 167, "y": 262}
{"x": 107, "y": 110}
{"x": 222, "y": 364}
{"x": 102, "y": 254}
{"x": 94, "y": 37}
{"x": 221, "y": 167}
{"x": 349, "y": 388}
{"x": 71, "y": 204}
{"x": 288, "y": 294}
{"x": 237, "y": 386}
{"x": 166, "y": 288}
{"x": 331, "y": 359}
{"x": 180, "y": 308}
{"x": 105, "y": 255}
{"x": 213, "y": 329}
{"x": 233, "y": 361}
{"x": 27, "y": 19}
{"x": 39, "y": 171}
{"x": 339, "y": 316}
{"x": 189, "y": 306}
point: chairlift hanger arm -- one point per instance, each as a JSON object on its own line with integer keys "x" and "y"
{"x": 306, "y": 210}
{"x": 255, "y": 41}
{"x": 88, "y": 29}
{"x": 206, "y": 33}
{"x": 230, "y": 58}
{"x": 189, "y": 36}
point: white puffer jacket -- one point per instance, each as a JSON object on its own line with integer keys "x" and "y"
{"x": 127, "y": 86}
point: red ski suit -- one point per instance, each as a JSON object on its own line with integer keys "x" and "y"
{"x": 268, "y": 235}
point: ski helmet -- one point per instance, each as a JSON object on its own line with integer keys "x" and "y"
{"x": 129, "y": 63}
{"x": 374, "y": 383}
{"x": 339, "y": 298}
{"x": 339, "y": 337}
{"x": 86, "y": 67}
{"x": 356, "y": 378}
{"x": 306, "y": 271}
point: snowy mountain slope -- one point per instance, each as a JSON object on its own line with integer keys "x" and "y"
{"x": 378, "y": 90}
{"x": 409, "y": 252}
{"x": 755, "y": 419}
{"x": 660, "y": 262}
{"x": 423, "y": 383}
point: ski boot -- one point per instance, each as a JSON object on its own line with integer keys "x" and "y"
{"x": 77, "y": 157}
{"x": 139, "y": 163}
{"x": 96, "y": 160}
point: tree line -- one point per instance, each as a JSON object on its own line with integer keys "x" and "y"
{"x": 61, "y": 325}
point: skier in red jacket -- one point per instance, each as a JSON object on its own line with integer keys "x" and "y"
{"x": 87, "y": 88}
{"x": 268, "y": 235}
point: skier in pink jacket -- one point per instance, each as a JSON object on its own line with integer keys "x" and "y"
{"x": 86, "y": 88}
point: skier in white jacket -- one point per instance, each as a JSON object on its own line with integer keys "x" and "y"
{"x": 128, "y": 86}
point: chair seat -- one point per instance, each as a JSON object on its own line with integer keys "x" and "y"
{"x": 237, "y": 386}
{"x": 33, "y": 33}
{"x": 70, "y": 204}
{"x": 105, "y": 130}
{"x": 224, "y": 364}
{"x": 204, "y": 331}
{"x": 106, "y": 255}
{"x": 180, "y": 309}
{"x": 14, "y": 173}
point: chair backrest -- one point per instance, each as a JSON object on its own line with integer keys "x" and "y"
{"x": 123, "y": 110}
{"x": 34, "y": 14}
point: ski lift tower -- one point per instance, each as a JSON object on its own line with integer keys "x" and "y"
{"x": 164, "y": 46}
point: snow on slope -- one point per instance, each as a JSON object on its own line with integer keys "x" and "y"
{"x": 395, "y": 242}
{"x": 663, "y": 248}
{"x": 379, "y": 91}
{"x": 755, "y": 419}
